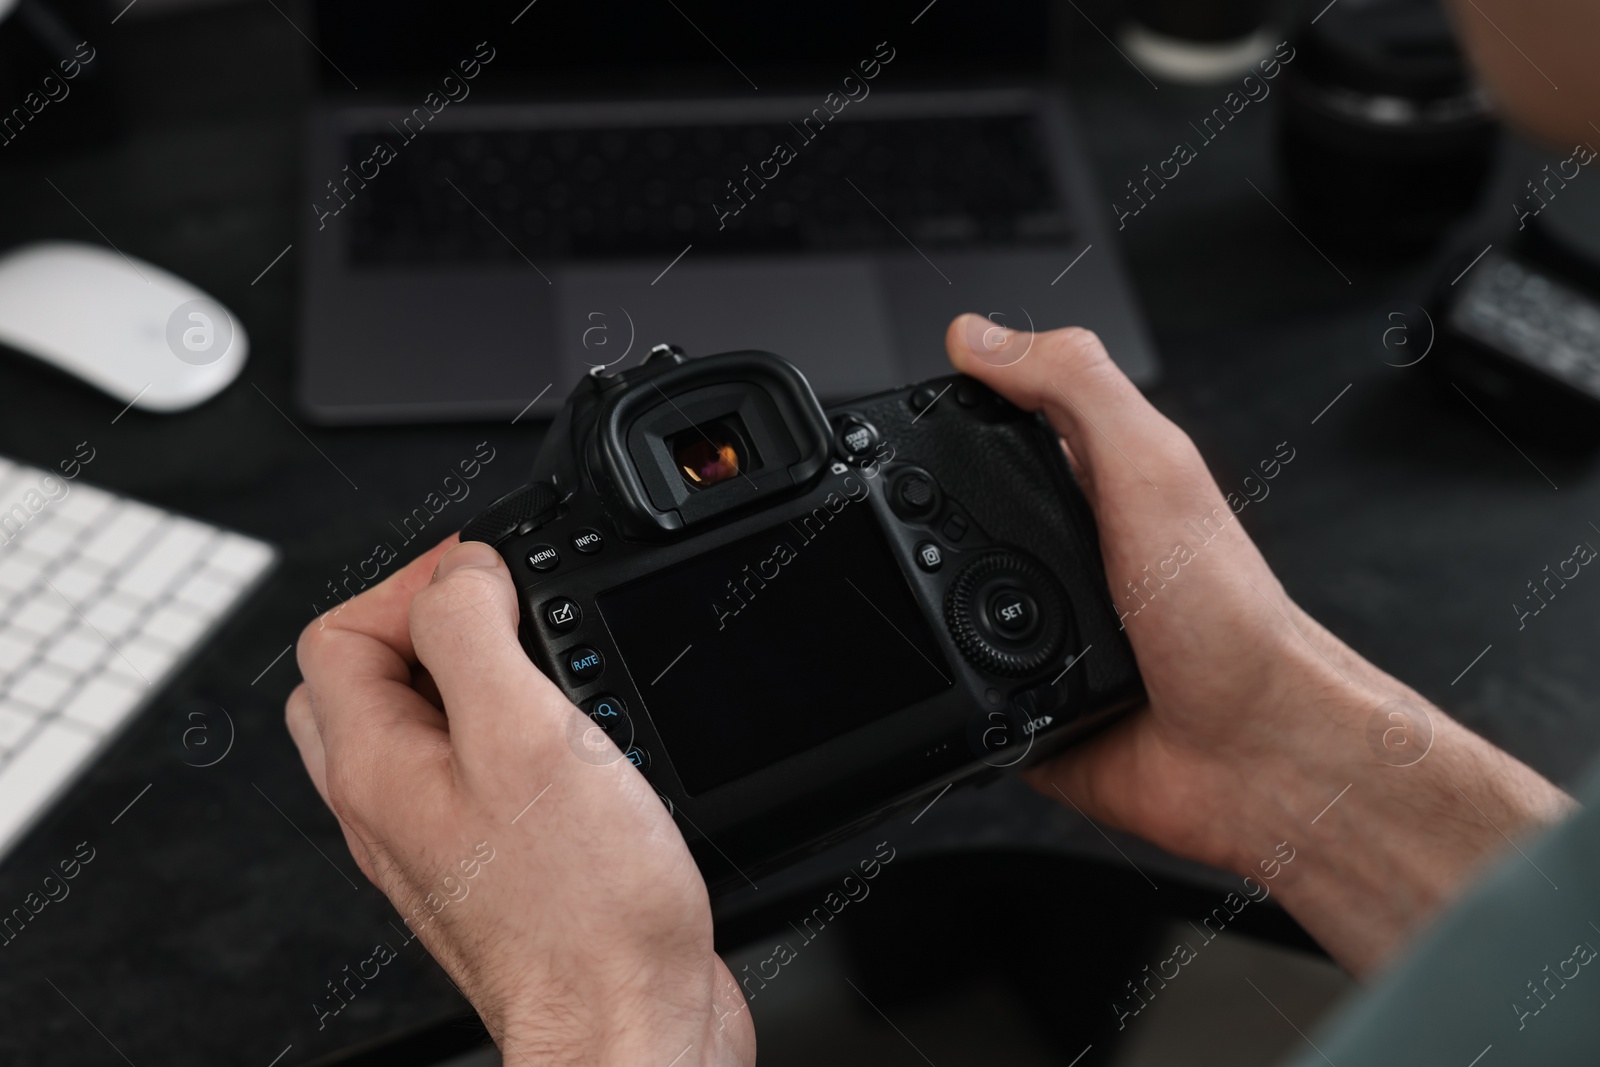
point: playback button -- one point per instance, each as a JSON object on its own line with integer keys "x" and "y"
{"x": 609, "y": 714}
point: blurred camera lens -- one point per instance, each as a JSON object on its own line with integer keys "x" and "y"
{"x": 707, "y": 454}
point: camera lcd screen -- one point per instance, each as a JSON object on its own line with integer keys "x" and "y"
{"x": 772, "y": 645}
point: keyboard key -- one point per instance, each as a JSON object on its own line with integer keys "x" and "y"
{"x": 104, "y": 702}
{"x": 176, "y": 626}
{"x": 14, "y": 726}
{"x": 123, "y": 667}
{"x": 150, "y": 658}
{"x": 241, "y": 557}
{"x": 78, "y": 583}
{"x": 173, "y": 554}
{"x": 36, "y": 771}
{"x": 77, "y": 650}
{"x": 85, "y": 503}
{"x": 41, "y": 686}
{"x": 16, "y": 649}
{"x": 47, "y": 535}
{"x": 126, "y": 531}
{"x": 113, "y": 615}
{"x": 14, "y": 519}
{"x": 209, "y": 591}
{"x": 15, "y": 574}
{"x": 42, "y": 612}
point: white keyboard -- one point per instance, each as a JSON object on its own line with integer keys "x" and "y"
{"x": 102, "y": 598}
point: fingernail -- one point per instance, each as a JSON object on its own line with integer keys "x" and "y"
{"x": 984, "y": 337}
{"x": 466, "y": 554}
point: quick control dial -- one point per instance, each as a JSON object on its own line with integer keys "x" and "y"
{"x": 1006, "y": 613}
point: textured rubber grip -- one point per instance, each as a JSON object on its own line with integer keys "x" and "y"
{"x": 1007, "y": 467}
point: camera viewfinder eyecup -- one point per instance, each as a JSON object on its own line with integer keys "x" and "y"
{"x": 696, "y": 441}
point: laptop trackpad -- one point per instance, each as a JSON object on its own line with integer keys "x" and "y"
{"x": 826, "y": 315}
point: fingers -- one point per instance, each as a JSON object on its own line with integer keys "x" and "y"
{"x": 382, "y": 611}
{"x": 357, "y": 658}
{"x": 303, "y": 730}
{"x": 1072, "y": 777}
{"x": 375, "y": 735}
{"x": 464, "y": 629}
{"x": 1111, "y": 430}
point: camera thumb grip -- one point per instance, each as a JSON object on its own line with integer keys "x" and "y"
{"x": 1068, "y": 375}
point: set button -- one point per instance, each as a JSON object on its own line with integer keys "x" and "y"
{"x": 583, "y": 663}
{"x": 1013, "y": 613}
{"x": 544, "y": 558}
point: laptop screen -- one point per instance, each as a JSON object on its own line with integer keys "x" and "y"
{"x": 564, "y": 48}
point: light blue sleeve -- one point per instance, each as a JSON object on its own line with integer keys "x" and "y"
{"x": 1509, "y": 975}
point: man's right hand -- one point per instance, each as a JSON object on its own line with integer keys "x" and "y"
{"x": 1258, "y": 717}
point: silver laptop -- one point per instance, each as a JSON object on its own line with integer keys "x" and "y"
{"x": 503, "y": 199}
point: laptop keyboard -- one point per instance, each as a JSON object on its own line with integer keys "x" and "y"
{"x": 101, "y": 599}
{"x": 648, "y": 191}
{"x": 1535, "y": 318}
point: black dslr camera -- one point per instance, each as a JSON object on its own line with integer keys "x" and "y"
{"x": 796, "y": 621}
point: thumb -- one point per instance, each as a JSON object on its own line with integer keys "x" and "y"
{"x": 464, "y": 629}
{"x": 1112, "y": 430}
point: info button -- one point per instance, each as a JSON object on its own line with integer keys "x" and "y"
{"x": 588, "y": 541}
{"x": 583, "y": 664}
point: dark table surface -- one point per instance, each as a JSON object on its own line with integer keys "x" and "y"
{"x": 221, "y": 903}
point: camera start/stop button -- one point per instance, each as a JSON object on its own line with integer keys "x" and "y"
{"x": 856, "y": 437}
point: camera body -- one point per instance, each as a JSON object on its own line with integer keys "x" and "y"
{"x": 794, "y": 621}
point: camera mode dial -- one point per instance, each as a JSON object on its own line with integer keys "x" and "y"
{"x": 1006, "y": 613}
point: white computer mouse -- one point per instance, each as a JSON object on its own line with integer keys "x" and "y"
{"x": 129, "y": 328}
